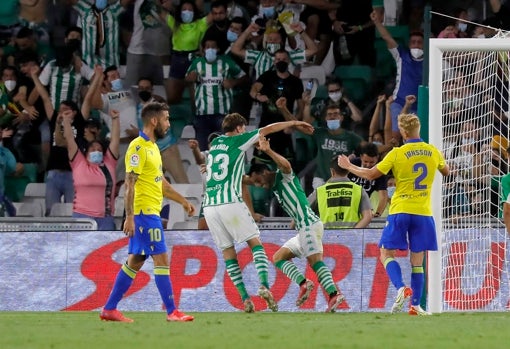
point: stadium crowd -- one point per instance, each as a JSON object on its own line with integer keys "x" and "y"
{"x": 87, "y": 67}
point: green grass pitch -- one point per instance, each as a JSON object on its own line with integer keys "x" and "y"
{"x": 76, "y": 330}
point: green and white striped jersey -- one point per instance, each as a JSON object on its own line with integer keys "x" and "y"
{"x": 210, "y": 96}
{"x": 225, "y": 168}
{"x": 292, "y": 199}
{"x": 262, "y": 61}
{"x": 106, "y": 51}
{"x": 64, "y": 84}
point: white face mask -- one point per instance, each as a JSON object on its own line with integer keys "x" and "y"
{"x": 417, "y": 53}
{"x": 462, "y": 27}
{"x": 335, "y": 96}
{"x": 10, "y": 85}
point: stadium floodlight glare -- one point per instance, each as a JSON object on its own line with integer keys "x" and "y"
{"x": 468, "y": 121}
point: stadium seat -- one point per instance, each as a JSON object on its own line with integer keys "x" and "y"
{"x": 322, "y": 92}
{"x": 36, "y": 192}
{"x": 187, "y": 225}
{"x": 188, "y": 132}
{"x": 357, "y": 81}
{"x": 61, "y": 209}
{"x": 29, "y": 209}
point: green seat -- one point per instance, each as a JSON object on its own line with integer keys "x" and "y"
{"x": 180, "y": 116}
{"x": 260, "y": 198}
{"x": 322, "y": 92}
{"x": 357, "y": 81}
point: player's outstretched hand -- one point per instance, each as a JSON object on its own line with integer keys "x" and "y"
{"x": 344, "y": 162}
{"x": 304, "y": 127}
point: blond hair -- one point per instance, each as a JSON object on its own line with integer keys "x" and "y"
{"x": 410, "y": 123}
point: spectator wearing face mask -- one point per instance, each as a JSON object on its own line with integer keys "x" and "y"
{"x": 59, "y": 180}
{"x": 113, "y": 95}
{"x": 336, "y": 95}
{"x": 409, "y": 70}
{"x": 220, "y": 25}
{"x": 188, "y": 29}
{"x": 273, "y": 88}
{"x": 263, "y": 60}
{"x": 214, "y": 76}
{"x": 94, "y": 174}
{"x": 457, "y": 28}
{"x": 330, "y": 141}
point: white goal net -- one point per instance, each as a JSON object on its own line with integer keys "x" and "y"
{"x": 468, "y": 120}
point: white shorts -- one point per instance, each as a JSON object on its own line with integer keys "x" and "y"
{"x": 230, "y": 224}
{"x": 302, "y": 245}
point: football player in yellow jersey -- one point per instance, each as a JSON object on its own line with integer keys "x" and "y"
{"x": 410, "y": 224}
{"x": 145, "y": 188}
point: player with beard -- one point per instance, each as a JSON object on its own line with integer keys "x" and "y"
{"x": 145, "y": 188}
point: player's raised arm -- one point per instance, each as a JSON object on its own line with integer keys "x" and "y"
{"x": 367, "y": 173}
{"x": 282, "y": 163}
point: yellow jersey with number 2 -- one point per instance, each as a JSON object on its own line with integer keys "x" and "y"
{"x": 414, "y": 167}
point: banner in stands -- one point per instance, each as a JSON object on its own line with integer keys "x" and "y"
{"x": 49, "y": 271}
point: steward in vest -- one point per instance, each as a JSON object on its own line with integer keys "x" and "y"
{"x": 342, "y": 203}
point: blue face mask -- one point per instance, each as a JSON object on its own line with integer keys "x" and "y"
{"x": 186, "y": 16}
{"x": 333, "y": 124}
{"x": 210, "y": 54}
{"x": 268, "y": 11}
{"x": 96, "y": 157}
{"x": 231, "y": 36}
{"x": 117, "y": 85}
{"x": 391, "y": 191}
{"x": 101, "y": 4}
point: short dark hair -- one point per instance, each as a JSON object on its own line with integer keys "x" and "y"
{"x": 109, "y": 69}
{"x": 104, "y": 145}
{"x": 258, "y": 168}
{"x": 334, "y": 81}
{"x": 210, "y": 37}
{"x": 153, "y": 109}
{"x": 71, "y": 104}
{"x": 24, "y": 32}
{"x": 218, "y": 3}
{"x": 369, "y": 149}
{"x": 145, "y": 78}
{"x": 416, "y": 33}
{"x": 73, "y": 29}
{"x": 240, "y": 20}
{"x": 27, "y": 56}
{"x": 282, "y": 50}
{"x": 11, "y": 68}
{"x": 232, "y": 121}
{"x": 336, "y": 168}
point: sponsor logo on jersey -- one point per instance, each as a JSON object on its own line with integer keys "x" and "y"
{"x": 134, "y": 160}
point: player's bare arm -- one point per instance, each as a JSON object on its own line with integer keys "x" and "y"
{"x": 129, "y": 199}
{"x": 170, "y": 193}
{"x": 282, "y": 163}
{"x": 367, "y": 173}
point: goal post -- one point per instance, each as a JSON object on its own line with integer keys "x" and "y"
{"x": 468, "y": 121}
